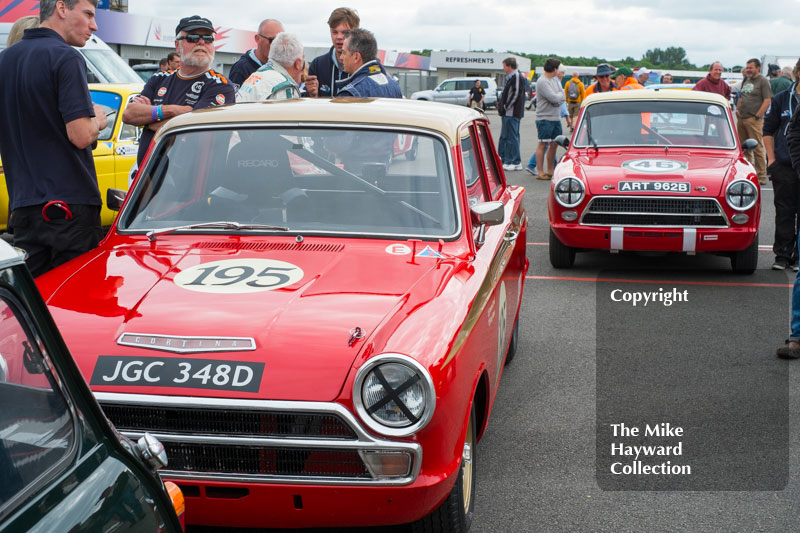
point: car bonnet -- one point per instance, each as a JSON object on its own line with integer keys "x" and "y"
{"x": 323, "y": 304}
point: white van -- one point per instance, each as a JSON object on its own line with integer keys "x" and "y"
{"x": 103, "y": 65}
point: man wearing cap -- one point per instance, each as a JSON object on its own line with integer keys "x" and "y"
{"x": 643, "y": 75}
{"x": 194, "y": 86}
{"x": 48, "y": 125}
{"x": 624, "y": 80}
{"x": 603, "y": 83}
{"x": 777, "y": 81}
{"x": 256, "y": 58}
{"x": 713, "y": 82}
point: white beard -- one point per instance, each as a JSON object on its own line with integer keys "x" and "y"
{"x": 190, "y": 61}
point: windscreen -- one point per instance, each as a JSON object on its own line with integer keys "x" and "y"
{"x": 337, "y": 180}
{"x": 110, "y": 66}
{"x": 655, "y": 123}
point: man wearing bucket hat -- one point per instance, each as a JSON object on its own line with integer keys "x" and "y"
{"x": 603, "y": 77}
{"x": 194, "y": 86}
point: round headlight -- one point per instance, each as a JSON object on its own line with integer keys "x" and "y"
{"x": 741, "y": 195}
{"x": 569, "y": 192}
{"x": 394, "y": 395}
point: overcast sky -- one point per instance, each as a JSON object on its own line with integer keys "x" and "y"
{"x": 730, "y": 31}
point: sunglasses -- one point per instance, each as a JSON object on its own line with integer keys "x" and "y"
{"x": 269, "y": 39}
{"x": 195, "y": 38}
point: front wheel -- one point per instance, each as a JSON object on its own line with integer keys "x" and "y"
{"x": 455, "y": 513}
{"x": 746, "y": 261}
{"x": 561, "y": 255}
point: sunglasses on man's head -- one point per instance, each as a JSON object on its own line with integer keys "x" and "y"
{"x": 195, "y": 38}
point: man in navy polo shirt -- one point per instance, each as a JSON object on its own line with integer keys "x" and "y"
{"x": 48, "y": 125}
{"x": 193, "y": 86}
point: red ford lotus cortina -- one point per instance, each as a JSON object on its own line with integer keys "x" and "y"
{"x": 310, "y": 304}
{"x": 655, "y": 171}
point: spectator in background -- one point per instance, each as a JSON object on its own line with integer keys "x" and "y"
{"x": 325, "y": 70}
{"x": 563, "y": 112}
{"x": 549, "y": 97}
{"x": 194, "y": 86}
{"x": 624, "y": 80}
{"x": 476, "y": 95}
{"x": 789, "y": 74}
{"x": 17, "y": 29}
{"x": 687, "y": 81}
{"x": 48, "y": 125}
{"x": 255, "y": 58}
{"x": 511, "y": 108}
{"x": 367, "y": 77}
{"x": 643, "y": 75}
{"x": 754, "y": 99}
{"x": 785, "y": 183}
{"x": 575, "y": 92}
{"x": 280, "y": 77}
{"x": 173, "y": 61}
{"x": 163, "y": 65}
{"x": 776, "y": 80}
{"x": 713, "y": 82}
{"x": 667, "y": 78}
{"x": 603, "y": 81}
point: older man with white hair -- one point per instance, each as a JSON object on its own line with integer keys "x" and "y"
{"x": 280, "y": 77}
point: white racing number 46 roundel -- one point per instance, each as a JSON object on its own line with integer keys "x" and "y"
{"x": 239, "y": 276}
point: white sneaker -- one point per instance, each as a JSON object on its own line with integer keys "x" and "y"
{"x": 508, "y": 166}
{"x": 518, "y": 166}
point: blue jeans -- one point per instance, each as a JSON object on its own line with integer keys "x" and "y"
{"x": 508, "y": 145}
{"x": 795, "y": 324}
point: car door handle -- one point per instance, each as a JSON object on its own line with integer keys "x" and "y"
{"x": 511, "y": 235}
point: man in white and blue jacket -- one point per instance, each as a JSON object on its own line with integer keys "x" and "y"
{"x": 367, "y": 77}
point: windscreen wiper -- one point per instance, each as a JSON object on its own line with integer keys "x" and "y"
{"x": 153, "y": 234}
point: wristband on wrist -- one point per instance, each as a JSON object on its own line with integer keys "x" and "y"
{"x": 154, "y": 113}
{"x": 160, "y": 113}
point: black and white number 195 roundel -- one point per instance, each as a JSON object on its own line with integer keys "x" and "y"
{"x": 237, "y": 276}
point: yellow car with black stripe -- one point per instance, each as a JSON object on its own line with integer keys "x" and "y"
{"x": 116, "y": 148}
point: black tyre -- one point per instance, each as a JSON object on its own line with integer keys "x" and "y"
{"x": 746, "y": 261}
{"x": 455, "y": 513}
{"x": 411, "y": 155}
{"x": 561, "y": 255}
{"x": 512, "y": 347}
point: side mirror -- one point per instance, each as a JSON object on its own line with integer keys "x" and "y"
{"x": 115, "y": 198}
{"x": 486, "y": 214}
{"x": 562, "y": 140}
{"x": 749, "y": 144}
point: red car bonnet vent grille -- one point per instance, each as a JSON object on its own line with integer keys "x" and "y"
{"x": 280, "y": 246}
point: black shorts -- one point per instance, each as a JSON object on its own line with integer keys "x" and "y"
{"x": 51, "y": 243}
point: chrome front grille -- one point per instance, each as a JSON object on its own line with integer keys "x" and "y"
{"x": 650, "y": 211}
{"x": 227, "y": 422}
{"x": 260, "y": 441}
{"x": 263, "y": 460}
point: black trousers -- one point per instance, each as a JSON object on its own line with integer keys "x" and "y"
{"x": 52, "y": 243}
{"x": 786, "y": 185}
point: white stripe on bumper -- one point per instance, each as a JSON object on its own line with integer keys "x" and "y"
{"x": 689, "y": 239}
